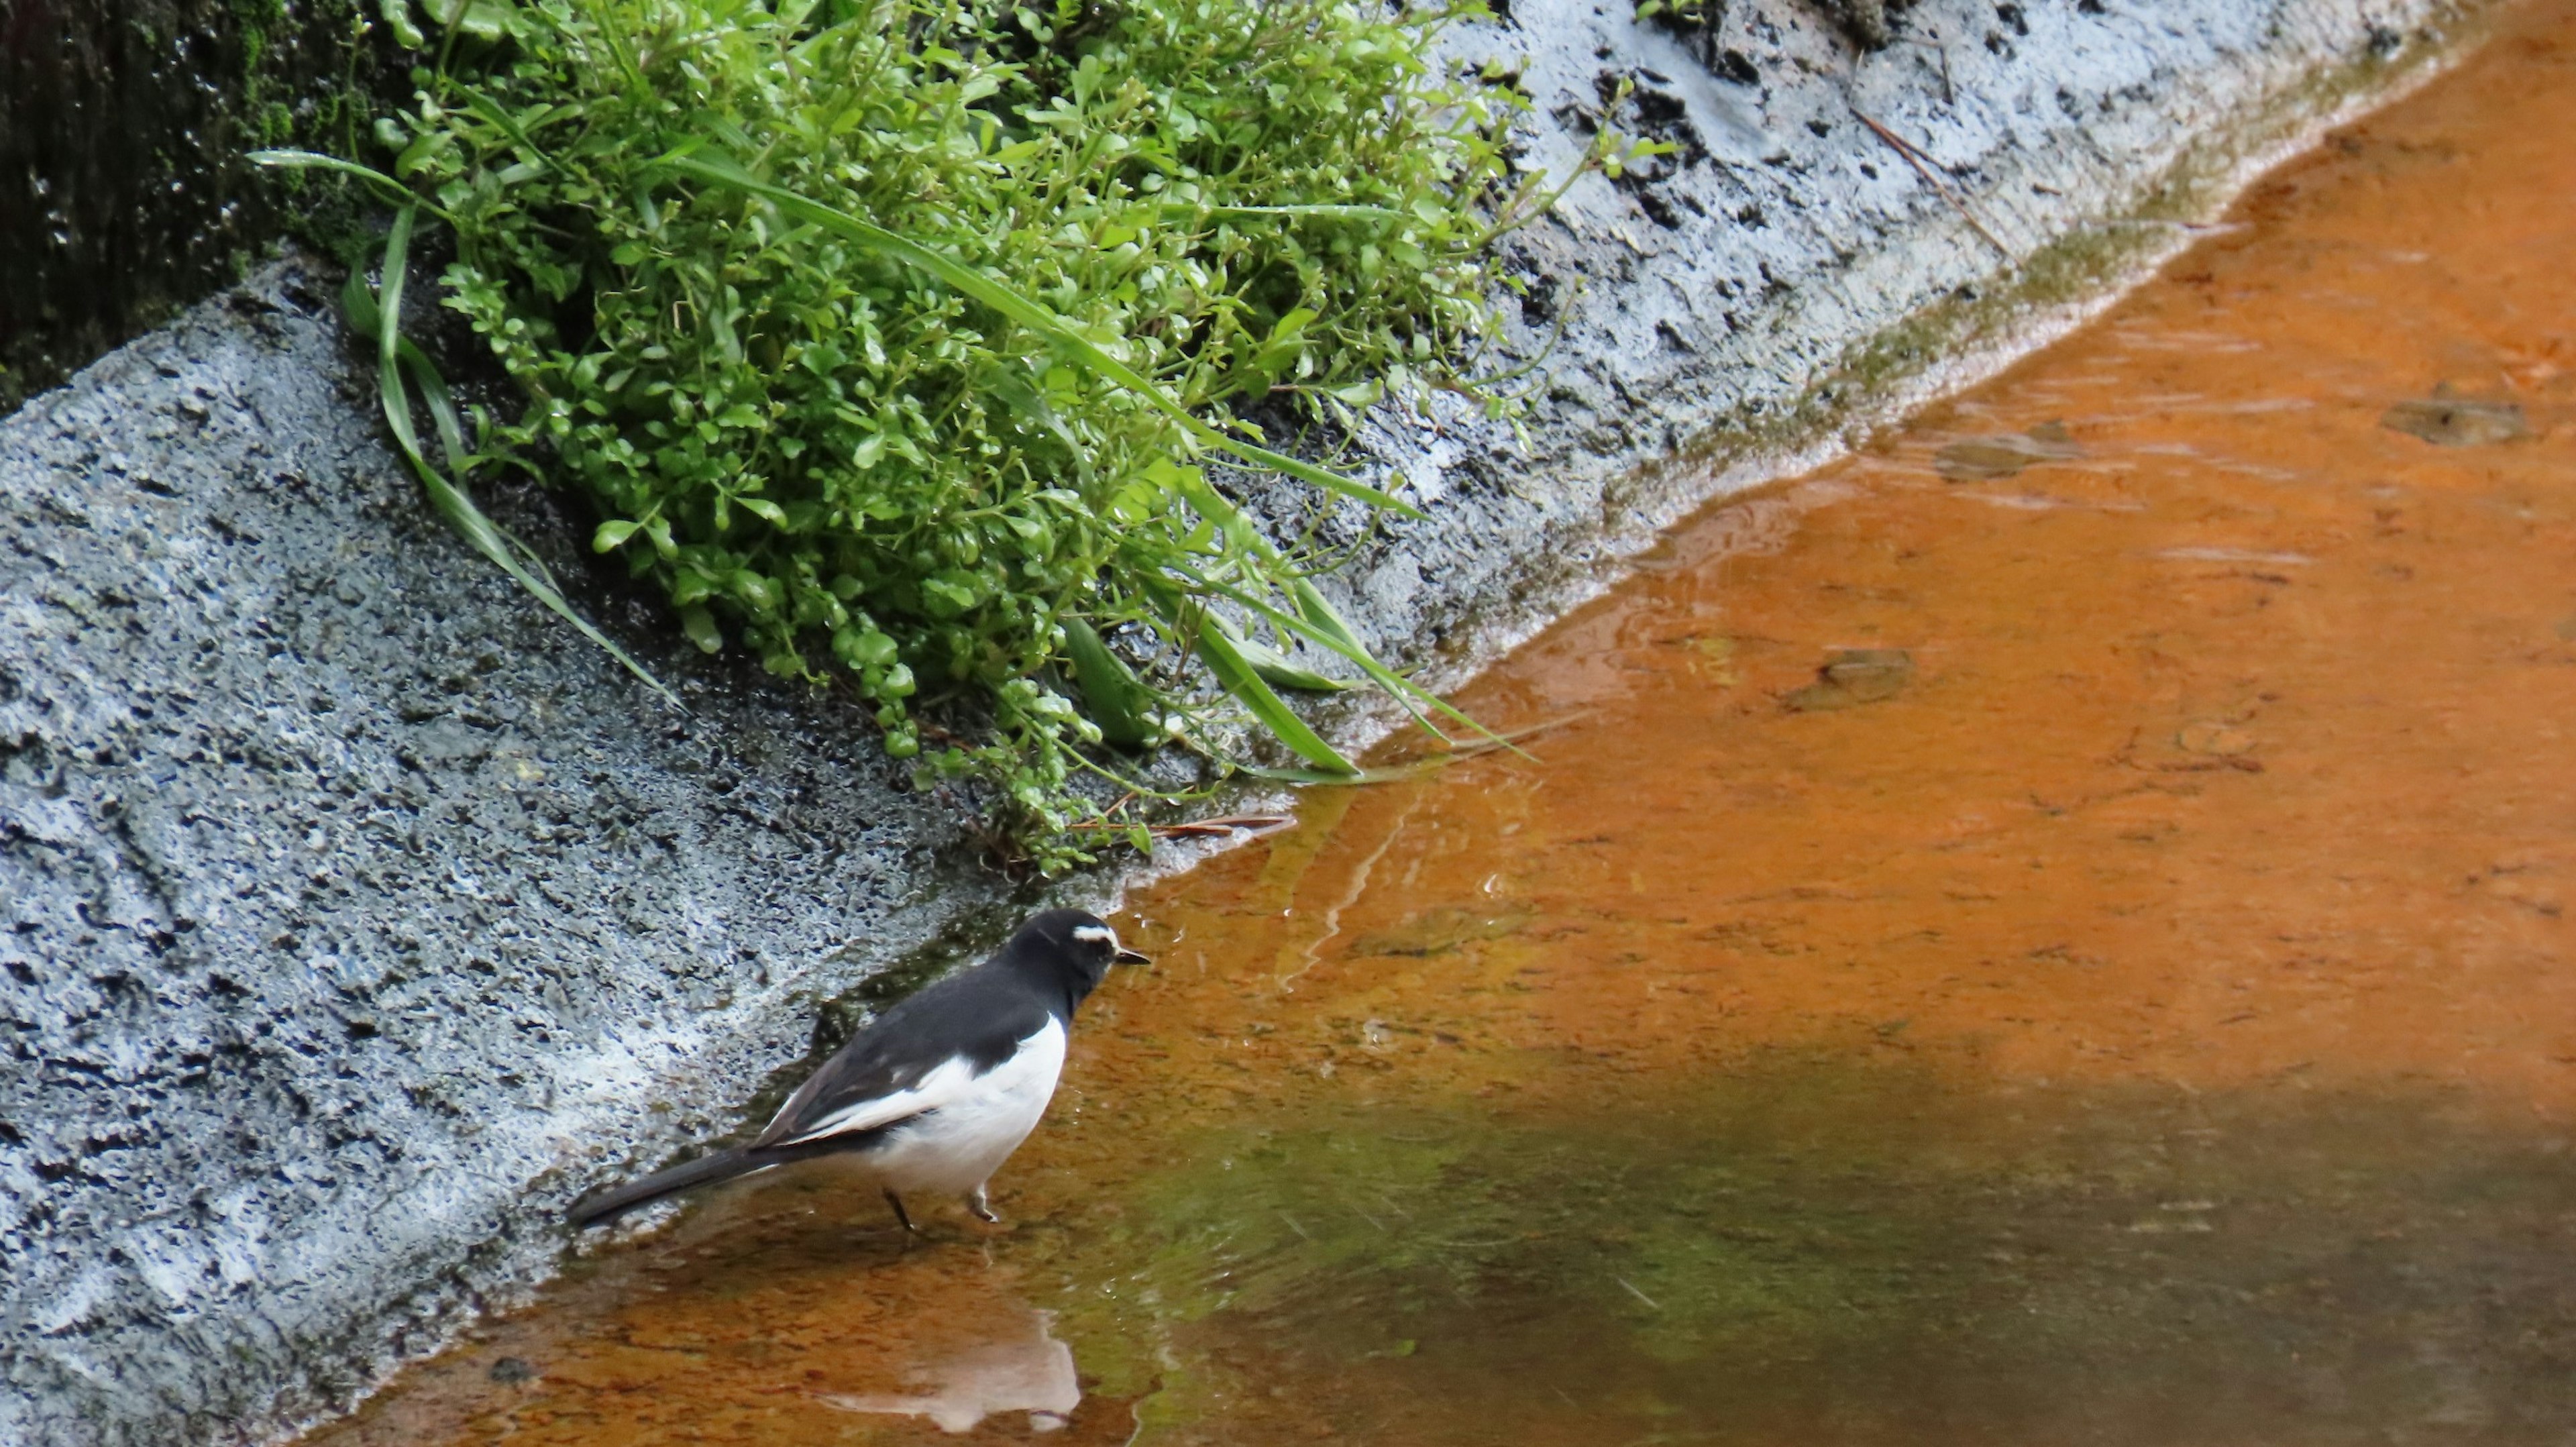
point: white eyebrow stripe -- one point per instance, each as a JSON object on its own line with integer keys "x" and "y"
{"x": 1098, "y": 934}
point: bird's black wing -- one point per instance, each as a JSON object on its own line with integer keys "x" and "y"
{"x": 911, "y": 1058}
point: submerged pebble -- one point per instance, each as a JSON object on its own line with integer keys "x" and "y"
{"x": 2456, "y": 421}
{"x": 1854, "y": 676}
{"x": 1985, "y": 459}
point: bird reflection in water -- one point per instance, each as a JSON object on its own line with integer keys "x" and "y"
{"x": 1024, "y": 1370}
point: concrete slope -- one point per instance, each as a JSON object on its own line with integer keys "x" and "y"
{"x": 1791, "y": 273}
{"x": 357, "y": 915}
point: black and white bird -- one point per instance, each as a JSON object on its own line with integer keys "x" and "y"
{"x": 937, "y": 1092}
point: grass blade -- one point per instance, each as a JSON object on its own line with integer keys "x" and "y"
{"x": 1280, "y": 671}
{"x": 1235, "y": 675}
{"x": 396, "y": 191}
{"x": 358, "y": 305}
{"x": 1119, "y": 700}
{"x": 1176, "y": 210}
{"x": 490, "y": 110}
{"x": 1392, "y": 774}
{"x": 1404, "y": 690}
{"x": 1316, "y": 620}
{"x": 442, "y": 406}
{"x": 451, "y": 501}
{"x": 1318, "y": 610}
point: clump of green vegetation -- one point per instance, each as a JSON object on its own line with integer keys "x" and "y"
{"x": 889, "y": 336}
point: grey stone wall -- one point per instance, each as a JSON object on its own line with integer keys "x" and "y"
{"x": 1789, "y": 273}
{"x": 354, "y": 915}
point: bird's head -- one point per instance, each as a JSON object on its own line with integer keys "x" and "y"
{"x": 1075, "y": 944}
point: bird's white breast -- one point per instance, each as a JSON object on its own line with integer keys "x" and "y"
{"x": 954, "y": 1147}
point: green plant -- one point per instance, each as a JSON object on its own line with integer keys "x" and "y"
{"x": 888, "y": 335}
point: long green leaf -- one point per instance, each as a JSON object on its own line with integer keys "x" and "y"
{"x": 1312, "y": 605}
{"x": 1417, "y": 767}
{"x": 442, "y": 406}
{"x": 451, "y": 501}
{"x": 460, "y": 457}
{"x": 1029, "y": 314}
{"x": 1118, "y": 700}
{"x": 1316, "y": 619}
{"x": 1220, "y": 510}
{"x": 490, "y": 110}
{"x": 1318, "y": 610}
{"x": 1280, "y": 671}
{"x": 358, "y": 305}
{"x": 1236, "y": 677}
{"x": 390, "y": 392}
{"x": 288, "y": 160}
{"x": 1335, "y": 213}
{"x": 1338, "y": 639}
{"x": 1395, "y": 774}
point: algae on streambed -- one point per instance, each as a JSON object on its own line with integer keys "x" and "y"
{"x": 1816, "y": 1245}
{"x": 1804, "y": 1244}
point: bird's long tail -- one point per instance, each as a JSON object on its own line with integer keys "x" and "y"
{"x": 602, "y": 1207}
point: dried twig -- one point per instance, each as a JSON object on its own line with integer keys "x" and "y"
{"x": 1922, "y": 163}
{"x": 1227, "y": 824}
{"x": 1949, "y": 93}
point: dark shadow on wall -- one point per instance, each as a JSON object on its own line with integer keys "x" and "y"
{"x": 124, "y": 194}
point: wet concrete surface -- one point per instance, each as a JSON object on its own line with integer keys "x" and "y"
{"x": 2146, "y": 1020}
{"x": 363, "y": 916}
{"x": 345, "y": 895}
{"x": 1836, "y": 229}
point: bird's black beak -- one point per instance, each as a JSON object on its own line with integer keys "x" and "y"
{"x": 1126, "y": 956}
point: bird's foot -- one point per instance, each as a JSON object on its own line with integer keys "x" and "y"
{"x": 982, "y": 1207}
{"x": 902, "y": 1216}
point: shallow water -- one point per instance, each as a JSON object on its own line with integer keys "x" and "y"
{"x": 2052, "y": 929}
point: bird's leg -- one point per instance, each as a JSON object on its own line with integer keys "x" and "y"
{"x": 982, "y": 1207}
{"x": 899, "y": 1213}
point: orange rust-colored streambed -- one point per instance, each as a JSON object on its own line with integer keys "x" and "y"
{"x": 2125, "y": 999}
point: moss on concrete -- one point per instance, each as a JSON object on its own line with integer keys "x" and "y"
{"x": 123, "y": 195}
